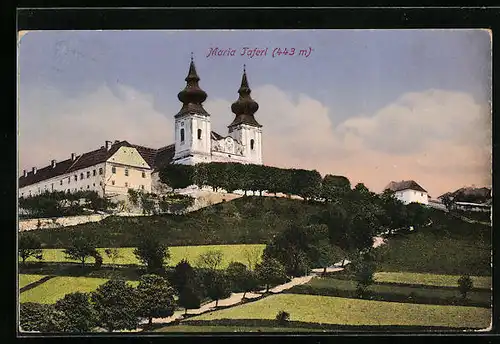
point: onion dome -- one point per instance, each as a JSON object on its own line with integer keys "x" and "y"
{"x": 192, "y": 96}
{"x": 245, "y": 107}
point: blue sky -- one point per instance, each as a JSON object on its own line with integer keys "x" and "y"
{"x": 351, "y": 77}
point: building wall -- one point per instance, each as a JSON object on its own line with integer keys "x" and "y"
{"x": 245, "y": 134}
{"x": 412, "y": 196}
{"x": 192, "y": 150}
{"x": 72, "y": 182}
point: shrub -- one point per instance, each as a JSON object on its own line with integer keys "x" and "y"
{"x": 464, "y": 285}
{"x": 282, "y": 318}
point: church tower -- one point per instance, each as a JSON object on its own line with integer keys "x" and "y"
{"x": 244, "y": 127}
{"x": 192, "y": 123}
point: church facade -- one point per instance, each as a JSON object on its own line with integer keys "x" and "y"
{"x": 118, "y": 166}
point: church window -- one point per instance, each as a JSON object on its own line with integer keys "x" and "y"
{"x": 88, "y": 186}
{"x": 142, "y": 187}
{"x": 112, "y": 182}
{"x": 81, "y": 176}
{"x": 88, "y": 174}
{"x": 199, "y": 134}
{"x": 60, "y": 182}
{"x": 52, "y": 186}
{"x": 143, "y": 174}
{"x": 126, "y": 172}
{"x": 252, "y": 142}
{"x": 93, "y": 172}
{"x": 100, "y": 171}
{"x": 126, "y": 185}
{"x": 113, "y": 169}
{"x": 76, "y": 177}
{"x": 93, "y": 184}
{"x": 182, "y": 135}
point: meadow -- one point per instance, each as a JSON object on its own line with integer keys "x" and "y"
{"x": 344, "y": 311}
{"x": 24, "y": 280}
{"x": 230, "y": 253}
{"x": 437, "y": 280}
{"x": 55, "y": 288}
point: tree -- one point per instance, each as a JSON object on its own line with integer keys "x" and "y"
{"x": 282, "y": 318}
{"x": 271, "y": 272}
{"x": 306, "y": 183}
{"x": 33, "y": 316}
{"x": 80, "y": 249}
{"x": 252, "y": 255}
{"x": 116, "y": 305}
{"x": 76, "y": 313}
{"x": 156, "y": 297}
{"x": 190, "y": 296}
{"x": 182, "y": 275}
{"x": 177, "y": 176}
{"x": 211, "y": 260}
{"x": 364, "y": 269}
{"x": 465, "y": 285}
{"x": 29, "y": 246}
{"x": 152, "y": 253}
{"x": 217, "y": 286}
{"x": 333, "y": 187}
{"x": 326, "y": 254}
{"x": 113, "y": 254}
{"x": 241, "y": 278}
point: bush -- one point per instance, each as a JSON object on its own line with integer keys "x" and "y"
{"x": 465, "y": 285}
{"x": 282, "y": 318}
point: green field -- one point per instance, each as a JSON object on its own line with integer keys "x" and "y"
{"x": 335, "y": 310}
{"x": 55, "y": 288}
{"x": 430, "y": 279}
{"x": 191, "y": 253}
{"x": 193, "y": 328}
{"x": 25, "y": 279}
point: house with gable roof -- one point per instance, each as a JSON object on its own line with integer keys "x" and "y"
{"x": 408, "y": 191}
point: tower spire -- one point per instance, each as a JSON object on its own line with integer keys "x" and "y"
{"x": 192, "y": 96}
{"x": 245, "y": 107}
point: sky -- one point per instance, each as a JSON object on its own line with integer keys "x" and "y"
{"x": 372, "y": 105}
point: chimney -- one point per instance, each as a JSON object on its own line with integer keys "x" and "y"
{"x": 73, "y": 156}
{"x": 108, "y": 145}
{"x": 53, "y": 163}
{"x": 25, "y": 173}
{"x": 34, "y": 170}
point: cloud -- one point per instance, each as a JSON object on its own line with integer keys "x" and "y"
{"x": 441, "y": 139}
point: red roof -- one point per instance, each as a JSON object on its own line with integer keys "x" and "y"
{"x": 156, "y": 158}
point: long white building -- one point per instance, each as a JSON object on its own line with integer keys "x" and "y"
{"x": 118, "y": 166}
{"x": 408, "y": 191}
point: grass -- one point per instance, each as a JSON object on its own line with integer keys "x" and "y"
{"x": 194, "y": 328}
{"x": 480, "y": 282}
{"x": 335, "y": 310}
{"x": 25, "y": 280}
{"x": 388, "y": 292}
{"x": 191, "y": 253}
{"x": 55, "y": 288}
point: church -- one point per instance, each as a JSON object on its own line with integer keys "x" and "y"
{"x": 118, "y": 166}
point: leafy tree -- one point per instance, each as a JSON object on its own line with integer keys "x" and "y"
{"x": 217, "y": 286}
{"x": 282, "y": 318}
{"x": 81, "y": 248}
{"x": 152, "y": 253}
{"x": 417, "y": 214}
{"x": 182, "y": 275}
{"x": 271, "y": 272}
{"x": 333, "y": 187}
{"x": 190, "y": 296}
{"x": 77, "y": 313}
{"x": 201, "y": 174}
{"x": 177, "y": 176}
{"x": 326, "y": 254}
{"x": 210, "y": 260}
{"x": 33, "y": 316}
{"x": 113, "y": 254}
{"x": 156, "y": 297}
{"x": 29, "y": 246}
{"x": 364, "y": 269}
{"x": 306, "y": 183}
{"x": 241, "y": 278}
{"x": 116, "y": 305}
{"x": 465, "y": 285}
{"x": 252, "y": 255}
{"x": 447, "y": 201}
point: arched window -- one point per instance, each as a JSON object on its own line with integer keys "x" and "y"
{"x": 199, "y": 134}
{"x": 182, "y": 135}
{"x": 126, "y": 172}
{"x": 113, "y": 169}
{"x": 252, "y": 142}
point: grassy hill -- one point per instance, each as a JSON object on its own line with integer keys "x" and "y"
{"x": 249, "y": 220}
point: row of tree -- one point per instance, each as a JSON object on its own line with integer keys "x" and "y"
{"x": 153, "y": 204}
{"x": 249, "y": 177}
{"x": 60, "y": 203}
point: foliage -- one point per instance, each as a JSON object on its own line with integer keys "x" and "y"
{"x": 465, "y": 285}
{"x": 210, "y": 260}
{"x": 177, "y": 176}
{"x": 152, "y": 253}
{"x": 76, "y": 313}
{"x": 33, "y": 316}
{"x": 156, "y": 297}
{"x": 29, "y": 246}
{"x": 241, "y": 278}
{"x": 363, "y": 270}
{"x": 334, "y": 187}
{"x": 282, "y": 318}
{"x": 190, "y": 296}
{"x": 81, "y": 248}
{"x": 270, "y": 272}
{"x": 217, "y": 286}
{"x": 116, "y": 305}
{"x": 182, "y": 275}
{"x": 113, "y": 254}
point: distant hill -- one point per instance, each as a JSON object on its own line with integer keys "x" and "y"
{"x": 470, "y": 194}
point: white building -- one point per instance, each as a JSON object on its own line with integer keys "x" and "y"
{"x": 408, "y": 191}
{"x": 118, "y": 166}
